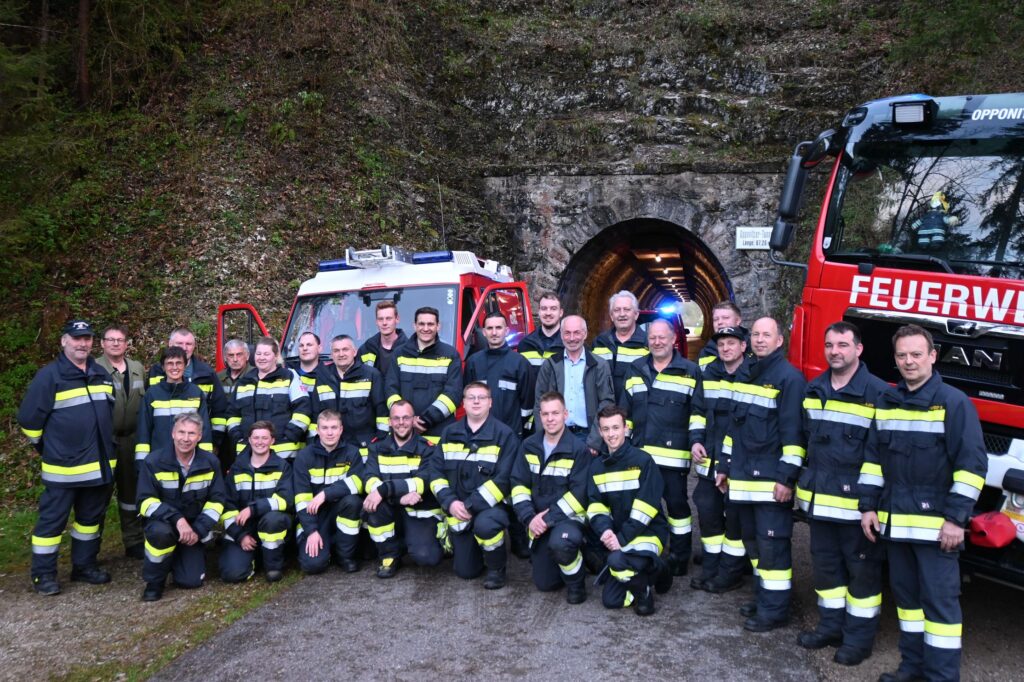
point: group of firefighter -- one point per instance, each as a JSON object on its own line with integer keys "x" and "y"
{"x": 577, "y": 457}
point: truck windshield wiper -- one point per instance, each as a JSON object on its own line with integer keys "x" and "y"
{"x": 993, "y": 263}
{"x": 877, "y": 257}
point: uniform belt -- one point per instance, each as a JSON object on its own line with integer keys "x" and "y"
{"x": 578, "y": 429}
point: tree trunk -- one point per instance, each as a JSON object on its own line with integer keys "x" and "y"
{"x": 82, "y": 53}
{"x": 44, "y": 43}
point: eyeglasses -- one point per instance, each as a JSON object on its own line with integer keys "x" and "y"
{"x": 114, "y": 341}
{"x": 402, "y": 419}
{"x": 476, "y": 398}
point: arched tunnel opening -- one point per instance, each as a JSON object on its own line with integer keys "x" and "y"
{"x": 659, "y": 261}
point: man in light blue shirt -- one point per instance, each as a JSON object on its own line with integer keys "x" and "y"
{"x": 583, "y": 378}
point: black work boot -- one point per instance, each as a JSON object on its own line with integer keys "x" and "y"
{"x": 153, "y": 592}
{"x": 495, "y": 579}
{"x": 46, "y": 585}
{"x": 90, "y": 574}
{"x": 576, "y": 593}
{"x": 644, "y": 604}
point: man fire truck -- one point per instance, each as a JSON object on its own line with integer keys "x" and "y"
{"x": 923, "y": 223}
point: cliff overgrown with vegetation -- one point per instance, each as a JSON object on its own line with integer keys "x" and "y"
{"x": 158, "y": 158}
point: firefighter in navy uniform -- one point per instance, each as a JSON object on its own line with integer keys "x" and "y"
{"x": 471, "y": 481}
{"x": 272, "y": 393}
{"x": 724, "y": 314}
{"x": 181, "y": 497}
{"x": 625, "y": 342}
{"x": 624, "y": 494}
{"x": 67, "y": 414}
{"x": 767, "y": 442}
{"x": 507, "y": 374}
{"x": 170, "y": 396}
{"x": 378, "y": 349}
{"x": 724, "y": 557}
{"x": 399, "y": 506}
{"x": 426, "y": 372}
{"x": 664, "y": 398}
{"x": 355, "y": 390}
{"x": 203, "y": 376}
{"x": 308, "y": 363}
{"x": 545, "y": 340}
{"x": 838, "y": 410}
{"x": 549, "y": 495}
{"x": 256, "y": 513}
{"x": 924, "y": 468}
{"x": 327, "y": 481}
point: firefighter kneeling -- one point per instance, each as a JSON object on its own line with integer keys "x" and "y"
{"x": 397, "y": 502}
{"x": 625, "y": 490}
{"x": 181, "y": 498}
{"x": 259, "y": 487}
{"x": 549, "y": 488}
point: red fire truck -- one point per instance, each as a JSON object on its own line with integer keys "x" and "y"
{"x": 342, "y": 297}
{"x": 923, "y": 222}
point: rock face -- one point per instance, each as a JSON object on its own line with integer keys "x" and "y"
{"x": 555, "y": 217}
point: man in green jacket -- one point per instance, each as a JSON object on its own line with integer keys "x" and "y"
{"x": 129, "y": 386}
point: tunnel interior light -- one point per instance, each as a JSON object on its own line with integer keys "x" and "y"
{"x": 666, "y": 271}
{"x": 657, "y": 258}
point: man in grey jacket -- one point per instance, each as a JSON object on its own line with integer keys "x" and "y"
{"x": 583, "y": 378}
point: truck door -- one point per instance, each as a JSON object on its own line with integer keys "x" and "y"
{"x": 238, "y": 321}
{"x": 509, "y": 298}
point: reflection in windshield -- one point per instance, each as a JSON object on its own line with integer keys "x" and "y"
{"x": 354, "y": 313}
{"x": 941, "y": 202}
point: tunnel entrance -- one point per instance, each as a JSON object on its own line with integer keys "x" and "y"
{"x": 659, "y": 261}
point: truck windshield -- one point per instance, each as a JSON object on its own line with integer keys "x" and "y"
{"x": 354, "y": 313}
{"x": 952, "y": 205}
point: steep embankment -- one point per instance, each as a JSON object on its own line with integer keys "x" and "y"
{"x": 292, "y": 129}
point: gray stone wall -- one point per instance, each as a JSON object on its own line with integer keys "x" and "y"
{"x": 553, "y": 216}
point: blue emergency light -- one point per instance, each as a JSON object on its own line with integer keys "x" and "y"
{"x": 669, "y": 309}
{"x": 432, "y": 257}
{"x": 334, "y": 265}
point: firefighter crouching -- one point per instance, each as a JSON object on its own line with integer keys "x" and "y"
{"x": 327, "y": 483}
{"x": 838, "y": 410}
{"x": 471, "y": 481}
{"x": 181, "y": 497}
{"x": 924, "y": 468}
{"x": 399, "y": 506}
{"x": 549, "y": 491}
{"x": 624, "y": 493}
{"x": 256, "y": 514}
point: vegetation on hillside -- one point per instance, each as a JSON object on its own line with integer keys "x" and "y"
{"x": 160, "y": 157}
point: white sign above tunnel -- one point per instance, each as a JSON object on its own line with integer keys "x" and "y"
{"x": 752, "y": 238}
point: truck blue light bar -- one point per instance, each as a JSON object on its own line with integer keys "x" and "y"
{"x": 334, "y": 265}
{"x": 433, "y": 257}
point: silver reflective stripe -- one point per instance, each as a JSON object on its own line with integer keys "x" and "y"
{"x": 639, "y": 516}
{"x": 672, "y": 387}
{"x": 965, "y": 490}
{"x": 863, "y": 611}
{"x": 941, "y": 641}
{"x": 642, "y": 547}
{"x": 71, "y": 402}
{"x": 871, "y": 479}
{"x": 72, "y": 478}
{"x": 519, "y": 498}
{"x": 914, "y": 425}
{"x": 750, "y": 496}
{"x": 195, "y": 485}
{"x": 507, "y": 385}
{"x": 354, "y": 394}
{"x": 557, "y": 471}
{"x": 213, "y": 514}
{"x": 126, "y": 506}
{"x": 911, "y": 533}
{"x": 421, "y": 369}
{"x": 441, "y": 407}
{"x": 617, "y": 486}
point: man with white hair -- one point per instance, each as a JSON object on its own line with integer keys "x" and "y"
{"x": 624, "y": 342}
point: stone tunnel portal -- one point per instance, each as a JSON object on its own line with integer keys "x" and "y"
{"x": 659, "y": 261}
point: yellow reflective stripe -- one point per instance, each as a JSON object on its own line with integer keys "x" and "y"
{"x": 835, "y": 501}
{"x": 573, "y": 502}
{"x": 834, "y": 593}
{"x": 864, "y": 602}
{"x": 150, "y": 549}
{"x": 752, "y": 486}
{"x": 144, "y": 508}
{"x": 911, "y": 520}
{"x": 521, "y": 490}
{"x": 794, "y": 450}
{"x": 871, "y": 469}
{"x": 706, "y": 360}
{"x": 647, "y": 509}
{"x": 447, "y": 403}
{"x": 32, "y": 433}
{"x": 676, "y": 379}
{"x": 633, "y": 382}
{"x": 910, "y": 614}
{"x": 617, "y": 476}
{"x": 910, "y": 415}
{"x": 199, "y": 478}
{"x": 166, "y": 476}
{"x": 423, "y": 362}
{"x": 71, "y": 471}
{"x": 303, "y": 497}
{"x": 968, "y": 478}
{"x": 943, "y": 629}
{"x": 495, "y": 491}
{"x": 45, "y": 542}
